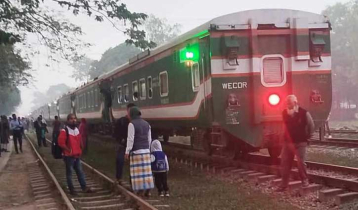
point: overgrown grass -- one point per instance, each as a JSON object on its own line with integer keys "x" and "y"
{"x": 189, "y": 188}
{"x": 336, "y": 157}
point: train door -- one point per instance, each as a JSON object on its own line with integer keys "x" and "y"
{"x": 271, "y": 68}
{"x": 204, "y": 69}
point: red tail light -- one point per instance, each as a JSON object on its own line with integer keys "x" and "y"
{"x": 274, "y": 99}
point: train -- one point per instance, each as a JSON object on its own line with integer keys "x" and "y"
{"x": 223, "y": 83}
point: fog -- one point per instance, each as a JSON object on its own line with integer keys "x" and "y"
{"x": 189, "y": 14}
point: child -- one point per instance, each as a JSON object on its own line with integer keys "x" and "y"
{"x": 160, "y": 168}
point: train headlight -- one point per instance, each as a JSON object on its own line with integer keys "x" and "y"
{"x": 274, "y": 99}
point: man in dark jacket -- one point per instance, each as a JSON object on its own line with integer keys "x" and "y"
{"x": 120, "y": 133}
{"x": 299, "y": 127}
{"x": 40, "y": 128}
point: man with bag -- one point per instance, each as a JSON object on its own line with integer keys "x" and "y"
{"x": 71, "y": 144}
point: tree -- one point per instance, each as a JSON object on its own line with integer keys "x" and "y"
{"x": 14, "y": 70}
{"x": 82, "y": 69}
{"x": 159, "y": 30}
{"x": 58, "y": 34}
{"x": 10, "y": 99}
{"x": 344, "y": 42}
{"x": 50, "y": 95}
{"x": 111, "y": 58}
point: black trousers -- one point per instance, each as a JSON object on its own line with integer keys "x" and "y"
{"x": 17, "y": 136}
{"x": 160, "y": 179}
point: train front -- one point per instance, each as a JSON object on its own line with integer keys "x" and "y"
{"x": 258, "y": 58}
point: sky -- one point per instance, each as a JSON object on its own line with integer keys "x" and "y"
{"x": 102, "y": 36}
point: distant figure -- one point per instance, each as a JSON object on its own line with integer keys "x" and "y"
{"x": 40, "y": 132}
{"x": 56, "y": 129}
{"x": 299, "y": 127}
{"x": 24, "y": 123}
{"x": 327, "y": 127}
{"x": 120, "y": 134}
{"x": 17, "y": 129}
{"x": 84, "y": 134}
{"x": 5, "y": 133}
{"x": 71, "y": 144}
{"x": 160, "y": 167}
{"x": 138, "y": 149}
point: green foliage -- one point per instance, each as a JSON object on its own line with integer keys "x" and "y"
{"x": 344, "y": 20}
{"x": 112, "y": 58}
{"x": 159, "y": 30}
{"x": 9, "y": 99}
{"x": 61, "y": 36}
{"x": 14, "y": 69}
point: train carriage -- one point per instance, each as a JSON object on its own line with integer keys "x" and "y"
{"x": 223, "y": 83}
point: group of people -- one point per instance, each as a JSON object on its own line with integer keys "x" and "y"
{"x": 14, "y": 126}
{"x": 145, "y": 156}
{"x": 139, "y": 145}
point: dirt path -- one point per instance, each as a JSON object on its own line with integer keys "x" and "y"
{"x": 15, "y": 189}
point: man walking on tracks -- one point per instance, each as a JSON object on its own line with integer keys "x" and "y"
{"x": 71, "y": 144}
{"x": 120, "y": 133}
{"x": 299, "y": 127}
{"x": 17, "y": 128}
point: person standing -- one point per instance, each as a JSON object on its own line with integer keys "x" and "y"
{"x": 17, "y": 129}
{"x": 120, "y": 134}
{"x": 299, "y": 127}
{"x": 84, "y": 134}
{"x": 71, "y": 144}
{"x": 56, "y": 129}
{"x": 138, "y": 153}
{"x": 40, "y": 132}
{"x": 160, "y": 167}
{"x": 5, "y": 133}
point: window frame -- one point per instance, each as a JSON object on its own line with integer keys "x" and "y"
{"x": 119, "y": 96}
{"x": 135, "y": 82}
{"x": 151, "y": 86}
{"x": 284, "y": 72}
{"x": 96, "y": 97}
{"x": 126, "y": 95}
{"x": 160, "y": 84}
{"x": 195, "y": 89}
{"x": 140, "y": 89}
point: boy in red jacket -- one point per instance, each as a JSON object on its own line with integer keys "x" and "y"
{"x": 72, "y": 150}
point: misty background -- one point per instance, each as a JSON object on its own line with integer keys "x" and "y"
{"x": 52, "y": 78}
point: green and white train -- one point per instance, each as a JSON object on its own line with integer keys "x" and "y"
{"x": 222, "y": 83}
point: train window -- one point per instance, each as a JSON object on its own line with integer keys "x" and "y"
{"x": 88, "y": 100}
{"x": 273, "y": 71}
{"x": 195, "y": 76}
{"x": 135, "y": 90}
{"x": 92, "y": 97}
{"x": 126, "y": 93}
{"x": 163, "y": 82}
{"x": 142, "y": 89}
{"x": 96, "y": 97}
{"x": 119, "y": 94}
{"x": 150, "y": 87}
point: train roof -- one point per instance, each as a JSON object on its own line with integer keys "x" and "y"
{"x": 238, "y": 19}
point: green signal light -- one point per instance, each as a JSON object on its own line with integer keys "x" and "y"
{"x": 189, "y": 55}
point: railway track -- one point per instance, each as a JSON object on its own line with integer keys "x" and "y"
{"x": 339, "y": 183}
{"x": 336, "y": 142}
{"x": 106, "y": 194}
